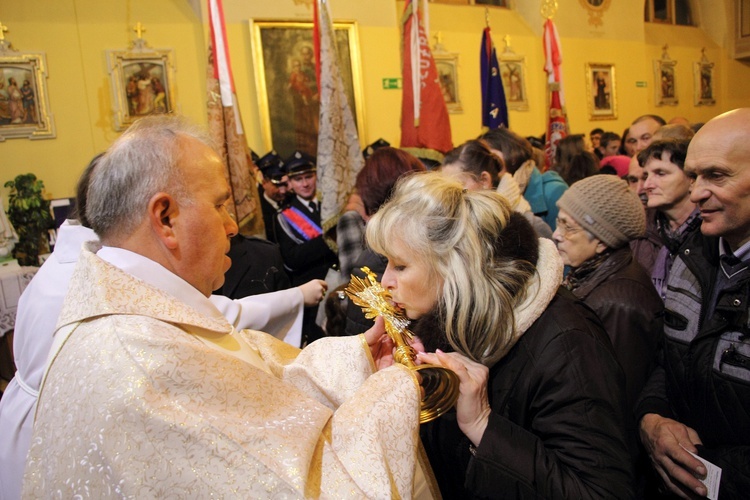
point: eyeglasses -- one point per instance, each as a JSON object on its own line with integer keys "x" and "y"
{"x": 566, "y": 229}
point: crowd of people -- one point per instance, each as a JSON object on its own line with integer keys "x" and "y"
{"x": 595, "y": 313}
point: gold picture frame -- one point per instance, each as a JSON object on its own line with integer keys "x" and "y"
{"x": 142, "y": 82}
{"x": 601, "y": 91}
{"x": 703, "y": 82}
{"x": 24, "y": 100}
{"x": 665, "y": 80}
{"x": 513, "y": 76}
{"x": 446, "y": 64}
{"x": 288, "y": 97}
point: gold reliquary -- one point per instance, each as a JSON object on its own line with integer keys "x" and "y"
{"x": 440, "y": 384}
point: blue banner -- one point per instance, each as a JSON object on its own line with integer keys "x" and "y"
{"x": 494, "y": 107}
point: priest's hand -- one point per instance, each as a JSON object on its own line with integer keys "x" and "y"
{"x": 381, "y": 345}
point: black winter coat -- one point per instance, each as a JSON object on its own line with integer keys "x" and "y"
{"x": 558, "y": 422}
{"x": 703, "y": 376}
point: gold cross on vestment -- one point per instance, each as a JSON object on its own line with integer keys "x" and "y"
{"x": 3, "y": 29}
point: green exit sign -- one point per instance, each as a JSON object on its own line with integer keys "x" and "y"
{"x": 391, "y": 83}
{"x": 640, "y": 84}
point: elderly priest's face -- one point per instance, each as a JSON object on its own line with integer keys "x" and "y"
{"x": 203, "y": 226}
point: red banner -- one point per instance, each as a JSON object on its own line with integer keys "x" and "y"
{"x": 557, "y": 123}
{"x": 424, "y": 116}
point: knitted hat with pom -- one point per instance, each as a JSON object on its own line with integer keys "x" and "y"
{"x": 605, "y": 207}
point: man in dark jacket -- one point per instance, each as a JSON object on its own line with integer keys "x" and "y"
{"x": 698, "y": 400}
{"x": 667, "y": 186}
{"x": 257, "y": 267}
{"x": 274, "y": 190}
{"x": 305, "y": 248}
{"x": 303, "y": 244}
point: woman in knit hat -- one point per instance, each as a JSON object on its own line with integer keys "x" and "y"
{"x": 598, "y": 216}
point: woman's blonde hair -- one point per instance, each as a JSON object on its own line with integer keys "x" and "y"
{"x": 462, "y": 236}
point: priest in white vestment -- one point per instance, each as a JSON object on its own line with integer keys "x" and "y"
{"x": 151, "y": 392}
{"x": 278, "y": 313}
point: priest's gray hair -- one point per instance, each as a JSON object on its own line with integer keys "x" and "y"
{"x": 139, "y": 164}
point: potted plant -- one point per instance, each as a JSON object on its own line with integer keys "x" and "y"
{"x": 30, "y": 215}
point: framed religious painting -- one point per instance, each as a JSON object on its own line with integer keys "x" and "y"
{"x": 447, "y": 69}
{"x": 666, "y": 82}
{"x": 703, "y": 82}
{"x": 24, "y": 101}
{"x": 142, "y": 82}
{"x": 513, "y": 76}
{"x": 742, "y": 29}
{"x": 287, "y": 88}
{"x": 601, "y": 91}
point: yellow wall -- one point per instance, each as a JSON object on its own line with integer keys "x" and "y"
{"x": 76, "y": 33}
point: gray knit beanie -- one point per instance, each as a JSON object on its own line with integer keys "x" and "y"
{"x": 605, "y": 207}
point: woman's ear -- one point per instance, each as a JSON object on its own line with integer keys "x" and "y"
{"x": 600, "y": 247}
{"x": 486, "y": 180}
{"x": 162, "y": 209}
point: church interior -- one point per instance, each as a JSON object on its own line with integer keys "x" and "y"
{"x": 76, "y": 37}
{"x": 238, "y": 203}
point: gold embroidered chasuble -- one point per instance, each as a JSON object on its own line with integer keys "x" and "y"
{"x": 137, "y": 404}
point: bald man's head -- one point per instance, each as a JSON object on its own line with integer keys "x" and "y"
{"x": 719, "y": 160}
